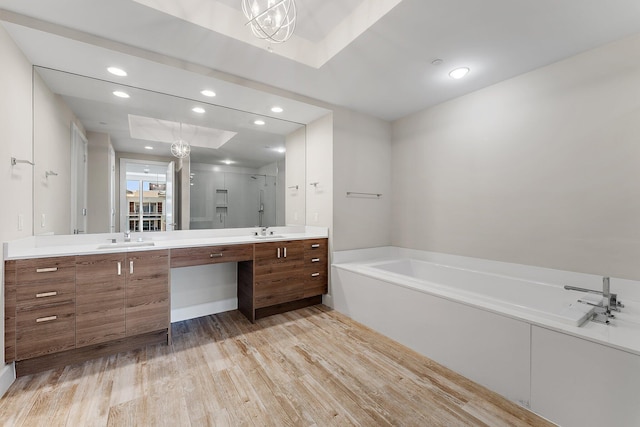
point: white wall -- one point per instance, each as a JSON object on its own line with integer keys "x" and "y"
{"x": 295, "y": 198}
{"x": 319, "y": 170}
{"x": 16, "y": 182}
{"x": 542, "y": 169}
{"x": 362, "y": 163}
{"x": 98, "y": 208}
{"x": 52, "y": 120}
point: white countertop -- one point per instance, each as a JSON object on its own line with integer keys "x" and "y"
{"x": 88, "y": 244}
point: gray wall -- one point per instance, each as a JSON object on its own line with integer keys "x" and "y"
{"x": 542, "y": 169}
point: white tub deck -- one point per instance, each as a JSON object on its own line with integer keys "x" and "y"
{"x": 510, "y": 293}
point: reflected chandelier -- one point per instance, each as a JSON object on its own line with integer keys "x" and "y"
{"x": 272, "y": 20}
{"x": 180, "y": 148}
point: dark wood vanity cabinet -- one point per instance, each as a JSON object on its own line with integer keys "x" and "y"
{"x": 283, "y": 276}
{"x": 121, "y": 295}
{"x": 61, "y": 310}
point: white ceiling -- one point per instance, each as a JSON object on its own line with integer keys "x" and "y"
{"x": 384, "y": 70}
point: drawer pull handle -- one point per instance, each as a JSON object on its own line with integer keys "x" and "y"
{"x": 285, "y": 252}
{"x": 278, "y": 252}
{"x": 46, "y": 294}
{"x": 46, "y": 319}
{"x": 215, "y": 255}
{"x": 315, "y": 274}
{"x": 119, "y": 268}
{"x": 46, "y": 270}
{"x": 315, "y": 246}
{"x": 315, "y": 260}
{"x": 131, "y": 267}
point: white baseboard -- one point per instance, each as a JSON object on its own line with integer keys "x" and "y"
{"x": 7, "y": 377}
{"x": 327, "y": 300}
{"x": 191, "y": 312}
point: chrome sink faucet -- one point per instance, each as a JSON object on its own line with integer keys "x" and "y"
{"x": 263, "y": 231}
{"x": 127, "y": 236}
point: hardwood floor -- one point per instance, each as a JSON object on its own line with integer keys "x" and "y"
{"x": 311, "y": 367}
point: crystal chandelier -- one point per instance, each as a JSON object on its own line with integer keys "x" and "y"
{"x": 272, "y": 20}
{"x": 180, "y": 148}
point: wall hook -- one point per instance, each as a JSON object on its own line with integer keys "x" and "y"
{"x": 15, "y": 161}
{"x": 315, "y": 184}
{"x": 49, "y": 173}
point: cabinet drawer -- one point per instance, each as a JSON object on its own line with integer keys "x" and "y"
{"x": 186, "y": 257}
{"x": 45, "y": 330}
{"x": 314, "y": 247}
{"x": 316, "y": 283}
{"x": 32, "y": 295}
{"x": 46, "y": 270}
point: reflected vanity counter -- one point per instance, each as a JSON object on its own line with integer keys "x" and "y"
{"x": 70, "y": 298}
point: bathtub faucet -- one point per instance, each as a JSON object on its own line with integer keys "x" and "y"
{"x": 610, "y": 300}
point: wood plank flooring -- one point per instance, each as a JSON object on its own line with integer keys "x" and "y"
{"x": 310, "y": 367}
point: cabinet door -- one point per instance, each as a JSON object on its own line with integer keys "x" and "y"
{"x": 279, "y": 273}
{"x": 100, "y": 283}
{"x": 275, "y": 257}
{"x": 147, "y": 292}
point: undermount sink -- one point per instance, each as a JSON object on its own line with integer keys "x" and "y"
{"x": 125, "y": 245}
{"x": 271, "y": 236}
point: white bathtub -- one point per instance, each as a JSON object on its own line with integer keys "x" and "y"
{"x": 513, "y": 293}
{"x": 511, "y": 328}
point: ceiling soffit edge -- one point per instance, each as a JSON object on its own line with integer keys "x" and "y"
{"x": 230, "y": 22}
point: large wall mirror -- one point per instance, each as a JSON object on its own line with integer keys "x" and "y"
{"x": 104, "y": 162}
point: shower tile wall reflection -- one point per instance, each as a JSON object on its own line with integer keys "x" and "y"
{"x": 227, "y": 198}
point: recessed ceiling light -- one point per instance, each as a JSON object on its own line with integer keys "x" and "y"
{"x": 228, "y": 162}
{"x": 121, "y": 94}
{"x": 148, "y": 147}
{"x": 198, "y": 110}
{"x": 259, "y": 122}
{"x": 208, "y": 93}
{"x": 459, "y": 73}
{"x": 117, "y": 71}
{"x": 277, "y": 109}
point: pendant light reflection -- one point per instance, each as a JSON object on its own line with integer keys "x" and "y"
{"x": 180, "y": 148}
{"x": 272, "y": 20}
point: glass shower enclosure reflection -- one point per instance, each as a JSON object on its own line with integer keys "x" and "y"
{"x": 231, "y": 200}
